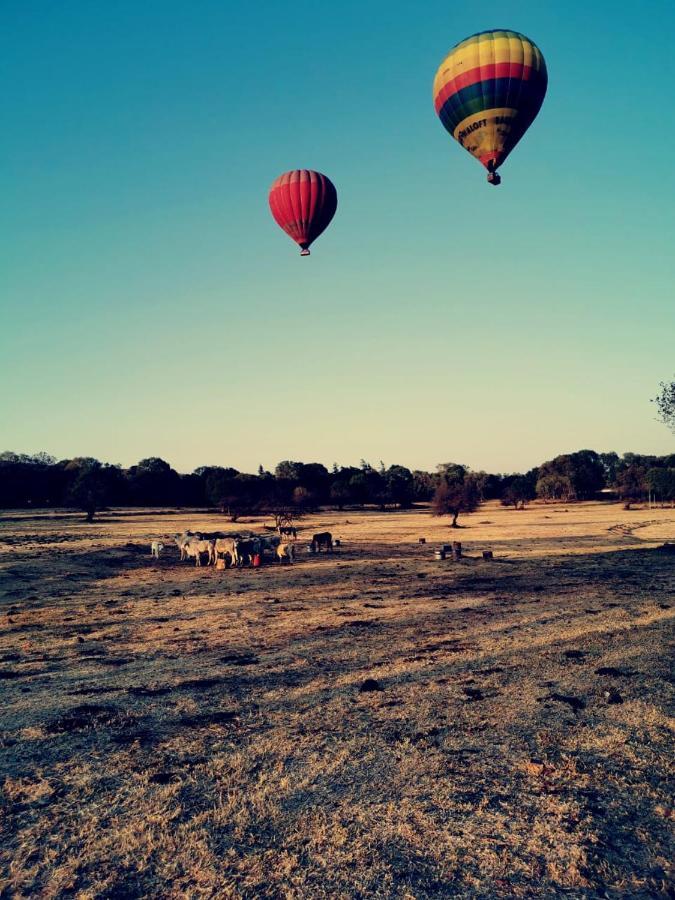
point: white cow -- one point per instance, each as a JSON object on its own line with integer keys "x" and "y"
{"x": 182, "y": 539}
{"x": 221, "y": 546}
{"x": 196, "y": 547}
{"x": 156, "y": 548}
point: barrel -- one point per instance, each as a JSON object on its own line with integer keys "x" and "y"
{"x": 439, "y": 554}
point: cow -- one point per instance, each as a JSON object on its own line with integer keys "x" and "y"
{"x": 286, "y": 553}
{"x": 195, "y": 547}
{"x": 156, "y": 548}
{"x": 223, "y": 546}
{"x": 288, "y": 530}
{"x": 184, "y": 538}
{"x": 322, "y": 539}
{"x": 269, "y": 542}
{"x": 246, "y": 550}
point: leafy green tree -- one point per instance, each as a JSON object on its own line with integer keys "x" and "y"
{"x": 610, "y": 464}
{"x": 398, "y": 486}
{"x": 152, "y": 482}
{"x": 90, "y": 484}
{"x": 553, "y": 486}
{"x": 571, "y": 476}
{"x": 457, "y": 492}
{"x": 340, "y": 494}
{"x": 661, "y": 483}
{"x": 632, "y": 484}
{"x": 665, "y": 403}
{"x": 518, "y": 491}
{"x": 358, "y": 488}
{"x": 218, "y": 484}
{"x": 424, "y": 485}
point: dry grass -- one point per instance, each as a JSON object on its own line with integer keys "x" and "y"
{"x": 174, "y": 732}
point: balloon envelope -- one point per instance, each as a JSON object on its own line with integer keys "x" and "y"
{"x": 303, "y": 202}
{"x": 487, "y": 92}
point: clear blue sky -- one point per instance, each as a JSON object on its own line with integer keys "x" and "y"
{"x": 151, "y": 306}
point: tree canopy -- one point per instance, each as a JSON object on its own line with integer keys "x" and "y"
{"x": 39, "y": 480}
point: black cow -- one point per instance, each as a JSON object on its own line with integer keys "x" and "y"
{"x": 324, "y": 539}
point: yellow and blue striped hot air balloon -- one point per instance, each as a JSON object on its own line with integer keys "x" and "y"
{"x": 488, "y": 91}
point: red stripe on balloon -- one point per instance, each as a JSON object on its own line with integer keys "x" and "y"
{"x": 482, "y": 73}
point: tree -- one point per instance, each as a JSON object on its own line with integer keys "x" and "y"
{"x": 457, "y": 492}
{"x": 632, "y": 484}
{"x": 89, "y": 484}
{"x": 665, "y": 403}
{"x": 340, "y": 494}
{"x": 242, "y": 496}
{"x": 358, "y": 488}
{"x": 29, "y": 480}
{"x": 661, "y": 483}
{"x": 518, "y": 490}
{"x": 610, "y": 463}
{"x": 489, "y": 486}
{"x": 287, "y": 470}
{"x": 555, "y": 487}
{"x": 340, "y": 491}
{"x": 302, "y": 499}
{"x": 152, "y": 482}
{"x": 571, "y": 476}
{"x": 424, "y": 485}
{"x": 398, "y": 486}
{"x": 218, "y": 484}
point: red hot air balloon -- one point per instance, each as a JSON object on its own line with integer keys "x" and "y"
{"x": 303, "y": 203}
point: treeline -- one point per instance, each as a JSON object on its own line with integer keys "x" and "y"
{"x": 41, "y": 481}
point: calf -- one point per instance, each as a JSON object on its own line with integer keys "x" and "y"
{"x": 156, "y": 548}
{"x": 286, "y": 553}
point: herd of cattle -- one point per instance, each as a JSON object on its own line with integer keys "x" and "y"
{"x": 236, "y": 550}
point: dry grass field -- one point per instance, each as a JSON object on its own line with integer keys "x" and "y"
{"x": 168, "y": 731}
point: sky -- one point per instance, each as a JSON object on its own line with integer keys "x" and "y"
{"x": 150, "y": 306}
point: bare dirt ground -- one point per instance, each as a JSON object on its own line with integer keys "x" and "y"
{"x": 168, "y": 731}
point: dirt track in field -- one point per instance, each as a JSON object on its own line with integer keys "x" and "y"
{"x": 169, "y": 731}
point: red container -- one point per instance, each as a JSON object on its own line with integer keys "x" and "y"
{"x": 256, "y": 560}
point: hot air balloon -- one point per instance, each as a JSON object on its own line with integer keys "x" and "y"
{"x": 488, "y": 91}
{"x": 303, "y": 202}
